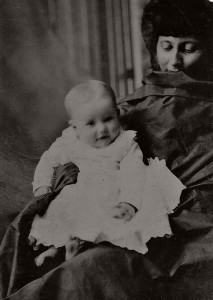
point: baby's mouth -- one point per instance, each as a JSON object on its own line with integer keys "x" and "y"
{"x": 103, "y": 137}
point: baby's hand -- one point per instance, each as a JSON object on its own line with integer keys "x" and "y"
{"x": 124, "y": 211}
{"x": 42, "y": 190}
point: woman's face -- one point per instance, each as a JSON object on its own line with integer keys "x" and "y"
{"x": 182, "y": 54}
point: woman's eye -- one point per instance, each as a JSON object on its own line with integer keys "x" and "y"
{"x": 190, "y": 48}
{"x": 166, "y": 46}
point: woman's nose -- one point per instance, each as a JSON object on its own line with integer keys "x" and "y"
{"x": 175, "y": 62}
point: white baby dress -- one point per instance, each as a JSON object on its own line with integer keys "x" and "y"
{"x": 107, "y": 177}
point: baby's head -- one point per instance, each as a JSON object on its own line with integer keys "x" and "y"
{"x": 93, "y": 113}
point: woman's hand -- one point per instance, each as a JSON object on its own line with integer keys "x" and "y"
{"x": 124, "y": 211}
{"x": 42, "y": 190}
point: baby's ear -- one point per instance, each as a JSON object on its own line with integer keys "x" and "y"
{"x": 72, "y": 124}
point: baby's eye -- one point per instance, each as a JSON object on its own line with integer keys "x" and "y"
{"x": 90, "y": 123}
{"x": 108, "y": 119}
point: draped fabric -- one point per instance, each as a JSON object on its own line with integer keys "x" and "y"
{"x": 174, "y": 116}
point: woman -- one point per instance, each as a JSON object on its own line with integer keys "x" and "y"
{"x": 176, "y": 22}
{"x": 178, "y": 34}
{"x": 173, "y": 110}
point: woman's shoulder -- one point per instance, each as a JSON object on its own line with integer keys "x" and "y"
{"x": 162, "y": 84}
{"x": 137, "y": 94}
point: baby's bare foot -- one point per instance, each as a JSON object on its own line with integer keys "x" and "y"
{"x": 39, "y": 260}
{"x": 49, "y": 253}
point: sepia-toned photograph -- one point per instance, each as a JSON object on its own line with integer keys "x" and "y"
{"x": 106, "y": 150}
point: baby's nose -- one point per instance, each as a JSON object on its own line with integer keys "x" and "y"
{"x": 101, "y": 128}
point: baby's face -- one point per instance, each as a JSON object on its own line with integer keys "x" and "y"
{"x": 97, "y": 122}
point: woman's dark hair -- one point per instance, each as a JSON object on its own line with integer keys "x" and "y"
{"x": 177, "y": 18}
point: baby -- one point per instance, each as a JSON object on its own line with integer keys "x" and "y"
{"x": 116, "y": 198}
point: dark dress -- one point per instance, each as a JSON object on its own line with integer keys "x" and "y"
{"x": 173, "y": 116}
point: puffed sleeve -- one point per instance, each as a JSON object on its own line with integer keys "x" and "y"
{"x": 56, "y": 155}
